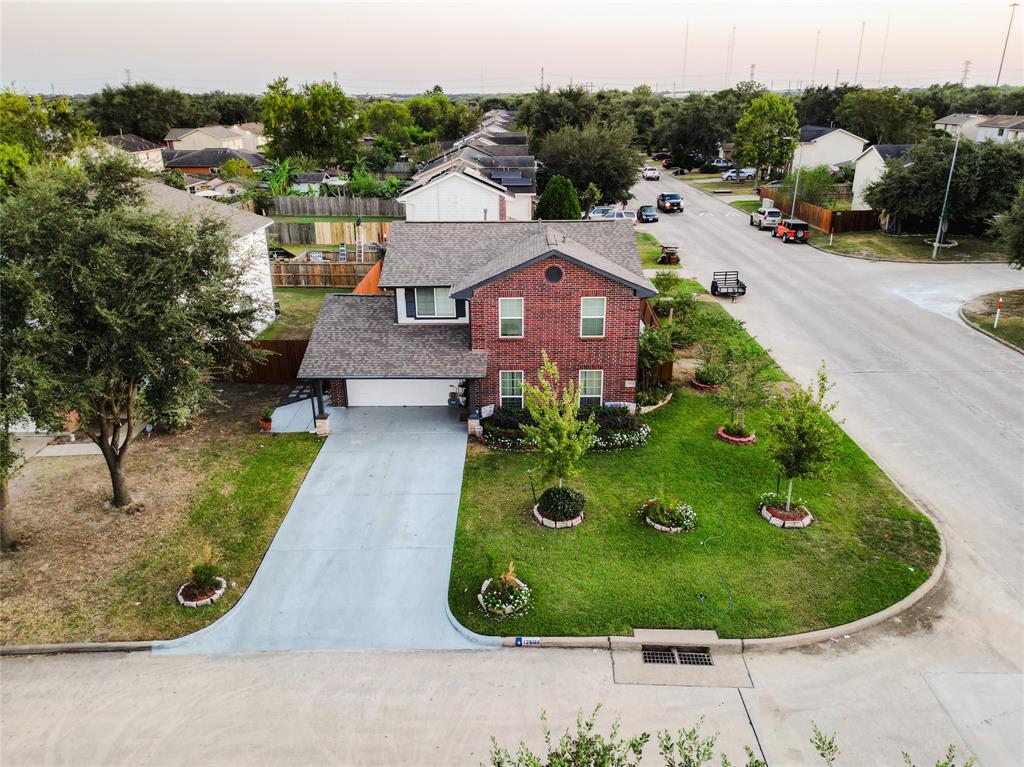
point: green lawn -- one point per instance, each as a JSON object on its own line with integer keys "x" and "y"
{"x": 877, "y": 244}
{"x": 868, "y": 548}
{"x": 315, "y": 219}
{"x": 650, "y": 251}
{"x": 747, "y": 206}
{"x": 982, "y": 312}
{"x": 744, "y": 187}
{"x": 238, "y": 511}
{"x": 299, "y": 307}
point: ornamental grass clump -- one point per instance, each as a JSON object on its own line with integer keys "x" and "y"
{"x": 206, "y": 571}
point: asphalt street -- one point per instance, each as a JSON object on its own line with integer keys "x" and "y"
{"x": 939, "y": 407}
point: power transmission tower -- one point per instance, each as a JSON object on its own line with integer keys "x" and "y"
{"x": 128, "y": 77}
{"x": 751, "y": 71}
{"x": 860, "y": 47}
{"x": 837, "y": 79}
{"x": 966, "y": 71}
{"x": 542, "y": 78}
{"x": 335, "y": 79}
{"x": 885, "y": 43}
{"x": 814, "y": 63}
{"x": 686, "y": 45}
{"x": 1013, "y": 10}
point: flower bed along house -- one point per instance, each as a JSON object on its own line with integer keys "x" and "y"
{"x": 617, "y": 428}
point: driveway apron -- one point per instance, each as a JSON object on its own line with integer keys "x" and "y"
{"x": 362, "y": 560}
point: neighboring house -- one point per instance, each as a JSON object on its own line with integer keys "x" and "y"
{"x": 1001, "y": 129}
{"x": 462, "y": 193}
{"x": 216, "y": 187}
{"x": 253, "y": 139}
{"x": 826, "y": 146}
{"x": 870, "y": 166}
{"x": 143, "y": 153}
{"x": 206, "y": 162}
{"x": 472, "y": 307}
{"x": 207, "y": 137}
{"x": 310, "y": 183}
{"x": 959, "y": 123}
{"x": 249, "y": 252}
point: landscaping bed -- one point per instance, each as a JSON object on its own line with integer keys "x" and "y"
{"x": 878, "y": 244}
{"x": 92, "y": 573}
{"x": 982, "y": 311}
{"x": 617, "y": 428}
{"x": 867, "y": 549}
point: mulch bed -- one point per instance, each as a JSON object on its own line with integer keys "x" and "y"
{"x": 191, "y": 593}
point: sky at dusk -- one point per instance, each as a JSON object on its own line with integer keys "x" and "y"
{"x": 384, "y": 47}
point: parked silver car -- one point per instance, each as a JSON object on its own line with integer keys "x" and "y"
{"x": 739, "y": 174}
{"x": 765, "y": 218}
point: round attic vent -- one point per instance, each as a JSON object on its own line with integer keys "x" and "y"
{"x": 553, "y": 274}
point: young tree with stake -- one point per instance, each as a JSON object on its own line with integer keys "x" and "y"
{"x": 745, "y": 368}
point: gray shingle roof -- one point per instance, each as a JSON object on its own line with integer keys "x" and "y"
{"x": 1003, "y": 121}
{"x": 210, "y": 158}
{"x": 958, "y": 118}
{"x": 181, "y": 203}
{"x": 447, "y": 253}
{"x": 129, "y": 142}
{"x": 891, "y": 151}
{"x": 219, "y": 131}
{"x": 357, "y": 337}
{"x": 812, "y": 132}
{"x": 541, "y": 243}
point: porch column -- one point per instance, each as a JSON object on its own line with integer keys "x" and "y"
{"x": 471, "y": 386}
{"x": 318, "y": 387}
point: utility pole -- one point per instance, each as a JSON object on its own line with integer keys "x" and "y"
{"x": 335, "y": 79}
{"x": 542, "y": 78}
{"x": 966, "y": 71}
{"x": 1013, "y": 10}
{"x": 751, "y": 72}
{"x": 686, "y": 45}
{"x": 837, "y": 78}
{"x": 814, "y": 63}
{"x": 860, "y": 47}
{"x": 945, "y": 199}
{"x": 728, "y": 63}
{"x": 885, "y": 43}
{"x": 128, "y": 77}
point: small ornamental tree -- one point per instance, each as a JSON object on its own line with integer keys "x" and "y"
{"x": 559, "y": 201}
{"x": 745, "y": 368}
{"x": 235, "y": 168}
{"x": 560, "y": 436}
{"x": 655, "y": 349}
{"x": 589, "y": 197}
{"x": 804, "y": 440}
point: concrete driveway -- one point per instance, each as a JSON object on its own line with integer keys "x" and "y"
{"x": 362, "y": 559}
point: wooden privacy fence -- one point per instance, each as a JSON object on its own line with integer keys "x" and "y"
{"x": 328, "y": 232}
{"x": 336, "y": 206}
{"x": 823, "y": 218}
{"x": 312, "y": 274}
{"x": 281, "y": 365}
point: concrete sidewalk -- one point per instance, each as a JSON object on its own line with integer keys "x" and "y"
{"x": 362, "y": 560}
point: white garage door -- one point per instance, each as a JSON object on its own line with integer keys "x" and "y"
{"x": 392, "y": 392}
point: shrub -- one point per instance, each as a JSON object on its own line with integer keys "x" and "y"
{"x": 205, "y": 572}
{"x": 709, "y": 168}
{"x": 666, "y": 282}
{"x": 561, "y": 503}
{"x": 559, "y": 201}
{"x": 266, "y": 413}
{"x": 735, "y": 429}
{"x": 709, "y": 375}
{"x": 668, "y": 513}
{"x": 654, "y": 394}
{"x": 778, "y": 500}
{"x": 504, "y": 591}
{"x": 617, "y": 428}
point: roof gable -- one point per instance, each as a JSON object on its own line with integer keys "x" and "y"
{"x": 178, "y": 202}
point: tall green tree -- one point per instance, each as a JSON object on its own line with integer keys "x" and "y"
{"x": 818, "y": 104}
{"x": 559, "y": 201}
{"x": 47, "y": 128}
{"x": 766, "y": 134}
{"x": 694, "y": 125}
{"x": 594, "y": 154}
{"x": 545, "y": 111}
{"x": 1009, "y": 230}
{"x": 146, "y": 110}
{"x": 134, "y": 310}
{"x": 884, "y": 116}
{"x": 391, "y": 120}
{"x": 317, "y": 121}
{"x": 803, "y": 439}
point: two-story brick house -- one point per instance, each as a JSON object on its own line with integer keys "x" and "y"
{"x": 469, "y": 308}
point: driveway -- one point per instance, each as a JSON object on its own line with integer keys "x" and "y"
{"x": 362, "y": 559}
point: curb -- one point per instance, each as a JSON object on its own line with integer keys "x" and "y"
{"x": 993, "y": 336}
{"x": 73, "y": 648}
{"x": 485, "y": 642}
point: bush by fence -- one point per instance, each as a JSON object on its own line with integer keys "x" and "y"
{"x": 823, "y": 218}
{"x": 336, "y": 206}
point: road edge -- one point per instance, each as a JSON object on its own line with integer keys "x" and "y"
{"x": 980, "y": 329}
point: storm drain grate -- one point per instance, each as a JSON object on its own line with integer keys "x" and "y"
{"x": 681, "y": 656}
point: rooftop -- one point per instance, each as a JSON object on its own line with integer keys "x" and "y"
{"x": 959, "y": 118}
{"x": 356, "y": 336}
{"x": 219, "y": 131}
{"x": 181, "y": 203}
{"x": 129, "y": 142}
{"x": 210, "y": 158}
{"x": 1004, "y": 121}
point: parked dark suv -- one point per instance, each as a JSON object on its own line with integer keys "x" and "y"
{"x": 670, "y": 202}
{"x": 646, "y": 214}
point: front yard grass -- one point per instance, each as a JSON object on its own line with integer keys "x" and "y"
{"x": 735, "y": 573}
{"x": 747, "y": 206}
{"x": 650, "y": 251}
{"x": 982, "y": 312}
{"x": 299, "y": 308}
{"x": 742, "y": 187}
{"x": 91, "y": 573}
{"x": 878, "y": 244}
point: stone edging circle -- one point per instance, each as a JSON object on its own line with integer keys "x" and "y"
{"x": 982, "y": 330}
{"x": 503, "y": 612}
{"x": 769, "y": 517}
{"x": 722, "y": 435}
{"x": 703, "y": 387}
{"x": 209, "y": 600}
{"x": 556, "y": 525}
{"x": 661, "y": 528}
{"x": 651, "y": 408}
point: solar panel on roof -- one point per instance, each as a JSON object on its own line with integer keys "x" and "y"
{"x": 517, "y": 181}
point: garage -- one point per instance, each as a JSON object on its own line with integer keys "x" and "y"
{"x": 397, "y": 392}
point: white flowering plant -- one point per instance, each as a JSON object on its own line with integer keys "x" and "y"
{"x": 669, "y": 513}
{"x": 778, "y": 501}
{"x": 505, "y": 593}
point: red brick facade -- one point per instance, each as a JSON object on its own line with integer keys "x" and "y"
{"x": 551, "y": 322}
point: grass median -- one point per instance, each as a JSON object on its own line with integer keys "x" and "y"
{"x": 982, "y": 312}
{"x": 877, "y": 244}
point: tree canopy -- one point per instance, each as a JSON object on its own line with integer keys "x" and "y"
{"x": 317, "y": 121}
{"x": 559, "y": 201}
{"x": 884, "y": 116}
{"x": 766, "y": 134}
{"x": 594, "y": 154}
{"x": 1009, "y": 230}
{"x": 41, "y": 128}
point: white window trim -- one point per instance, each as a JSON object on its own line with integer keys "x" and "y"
{"x": 522, "y": 380}
{"x": 579, "y": 386}
{"x": 604, "y": 316}
{"x": 521, "y": 317}
{"x": 435, "y": 316}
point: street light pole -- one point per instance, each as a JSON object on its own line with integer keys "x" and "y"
{"x": 945, "y": 199}
{"x": 796, "y": 184}
{"x": 1013, "y": 10}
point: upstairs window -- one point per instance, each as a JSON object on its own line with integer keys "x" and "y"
{"x": 591, "y": 389}
{"x": 592, "y": 317}
{"x": 510, "y": 317}
{"x": 434, "y": 302}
